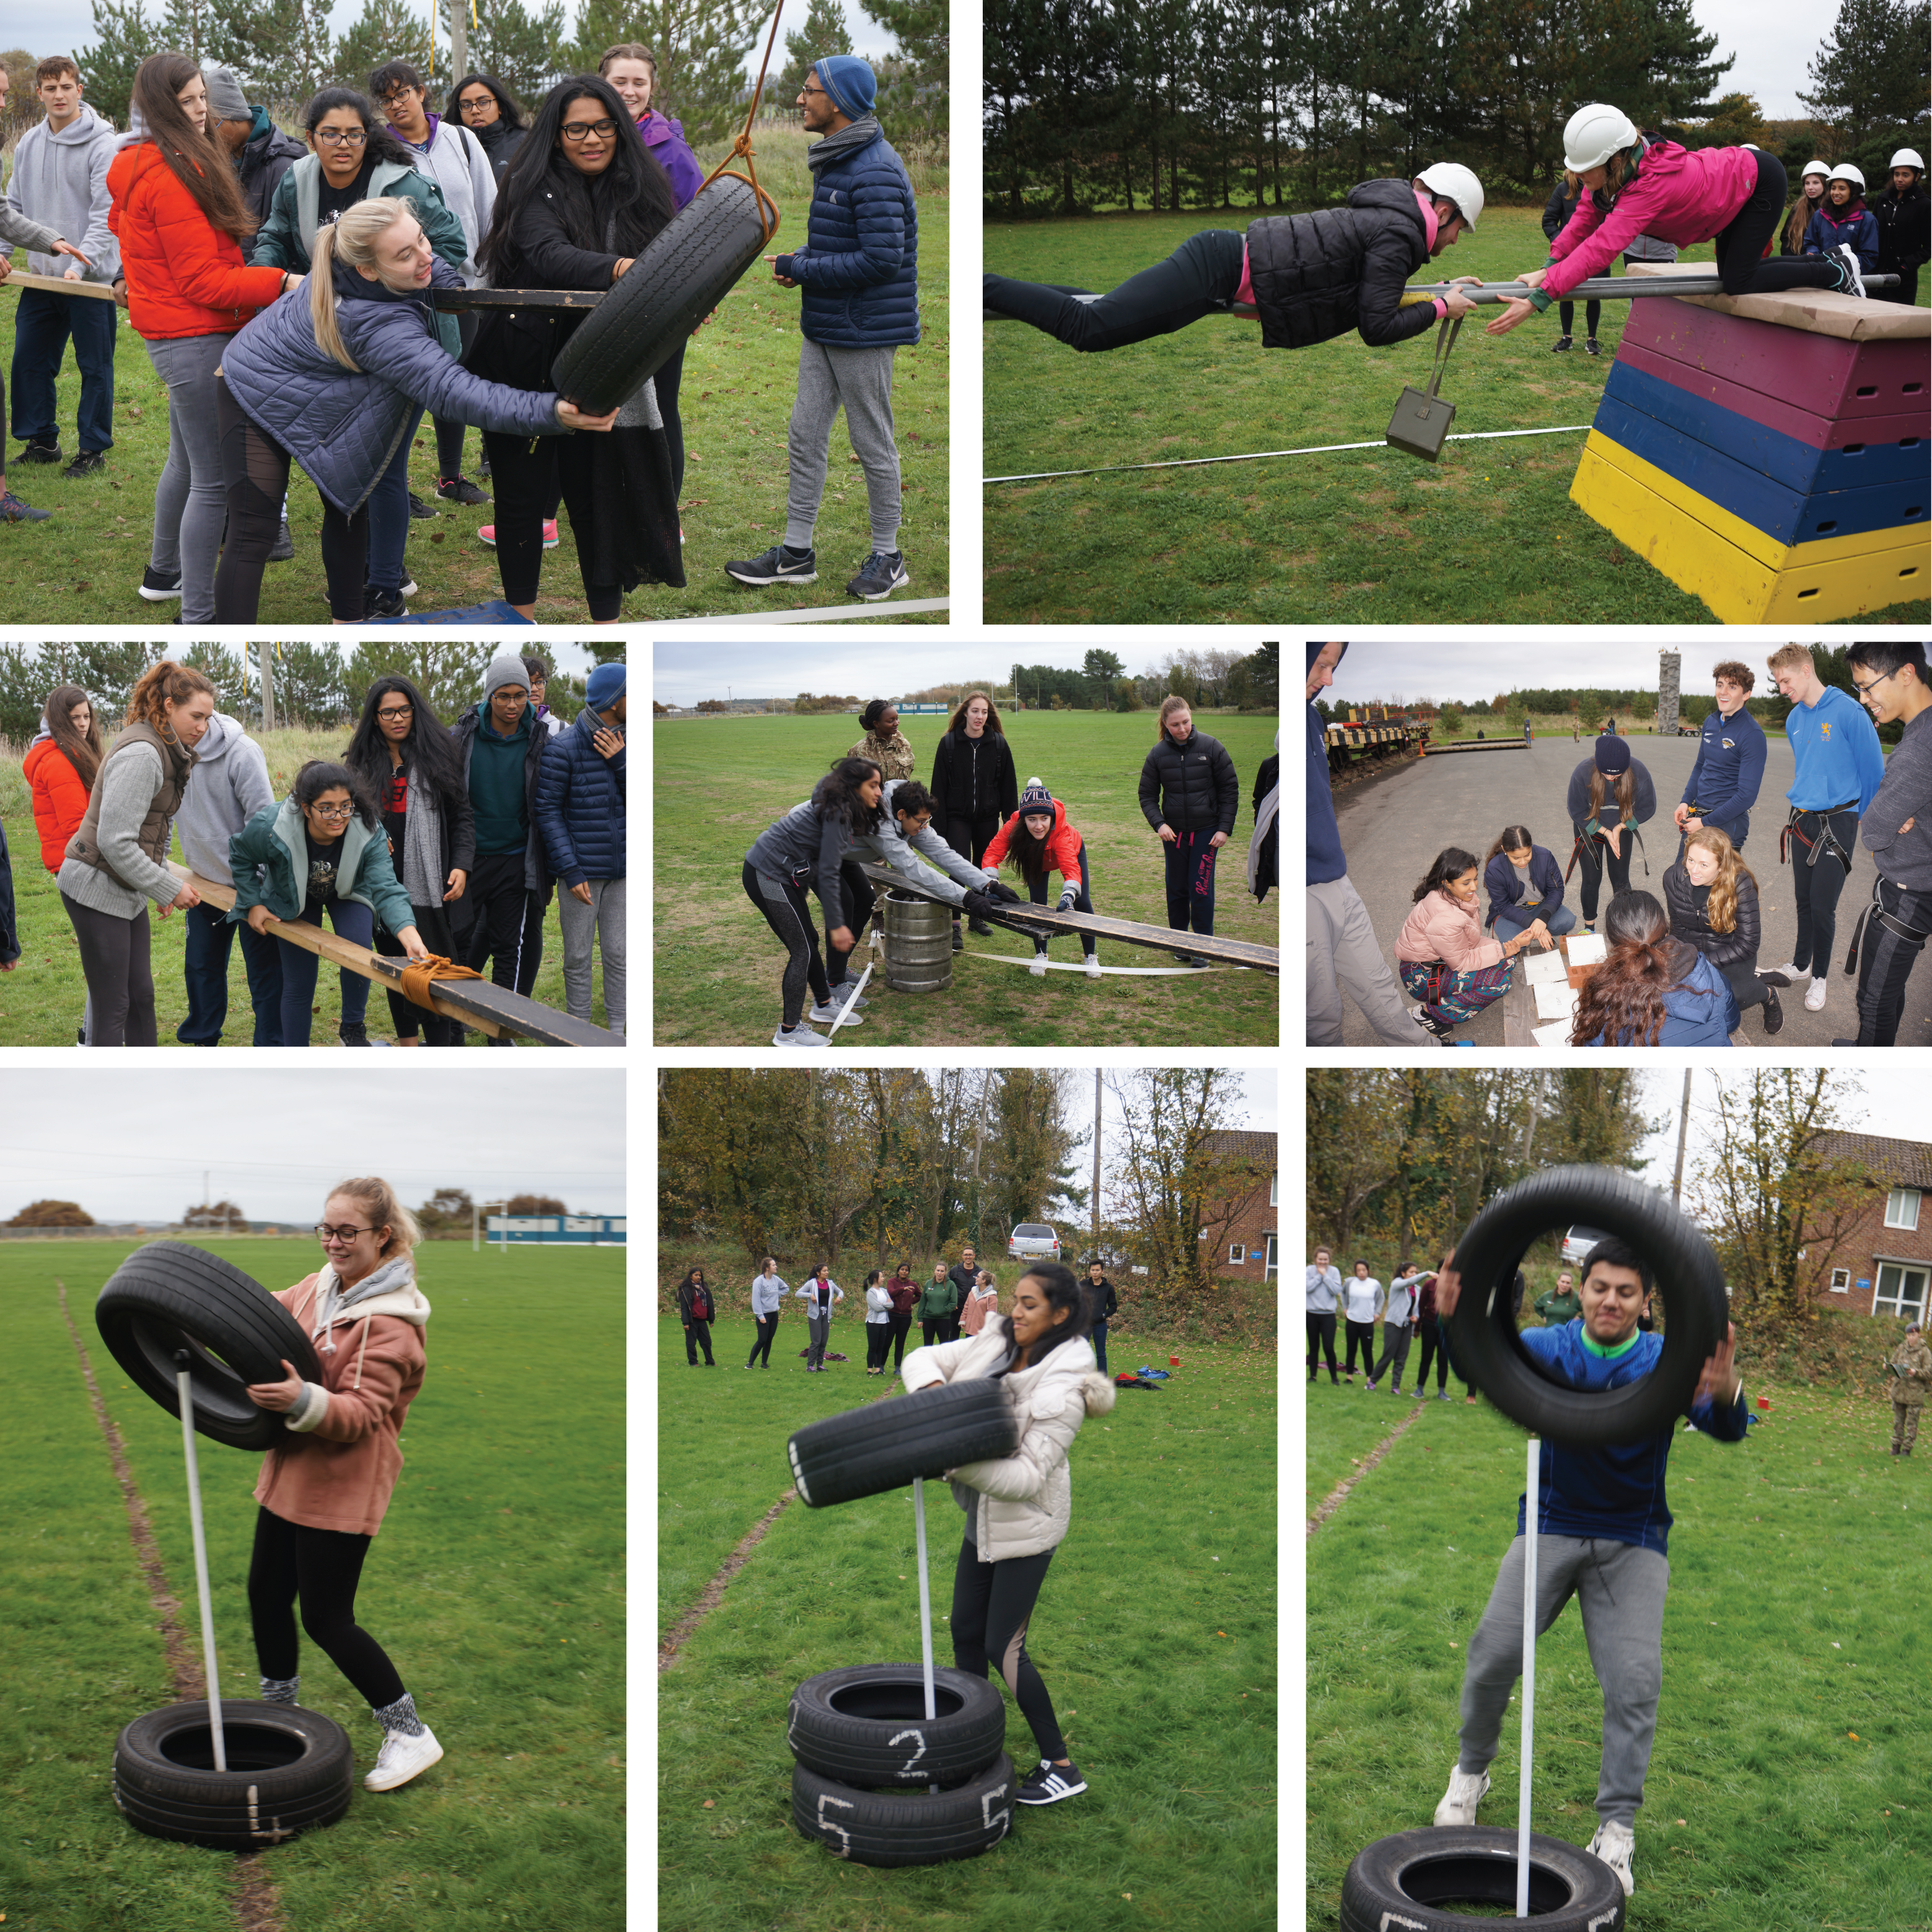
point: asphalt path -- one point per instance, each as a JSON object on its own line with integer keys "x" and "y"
{"x": 1393, "y": 826}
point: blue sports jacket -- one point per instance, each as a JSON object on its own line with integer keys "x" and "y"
{"x": 580, "y": 805}
{"x": 858, "y": 270}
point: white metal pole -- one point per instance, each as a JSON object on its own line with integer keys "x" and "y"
{"x": 924, "y": 1590}
{"x": 1529, "y": 1509}
{"x": 186, "y": 1404}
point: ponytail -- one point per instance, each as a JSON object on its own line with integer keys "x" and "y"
{"x": 1622, "y": 1002}
{"x": 322, "y": 298}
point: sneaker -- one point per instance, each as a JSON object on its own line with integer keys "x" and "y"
{"x": 283, "y": 551}
{"x": 1773, "y": 1013}
{"x": 1420, "y": 1395}
{"x": 1848, "y": 261}
{"x": 1036, "y": 966}
{"x": 847, "y": 993}
{"x": 1092, "y": 966}
{"x": 781, "y": 564}
{"x": 879, "y": 576}
{"x": 832, "y": 1010}
{"x": 1199, "y": 964}
{"x": 1445, "y": 1396}
{"x": 1350, "y": 1378}
{"x": 1616, "y": 1846}
{"x": 460, "y": 489}
{"x": 1593, "y": 346}
{"x": 1368, "y": 1388}
{"x": 980, "y": 926}
{"x": 1184, "y": 959}
{"x": 800, "y": 1036}
{"x": 1786, "y": 975}
{"x": 409, "y": 586}
{"x": 487, "y": 534}
{"x": 85, "y": 464}
{"x": 13, "y": 511}
{"x": 1431, "y": 1023}
{"x": 402, "y": 1759}
{"x": 379, "y": 603}
{"x": 353, "y": 1033}
{"x": 39, "y": 452}
{"x": 1048, "y": 1784}
{"x": 157, "y": 589}
{"x": 1464, "y": 1793}
{"x": 1814, "y": 994}
{"x": 419, "y": 511}
{"x": 1561, "y": 347}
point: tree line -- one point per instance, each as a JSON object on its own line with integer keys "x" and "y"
{"x": 1212, "y": 679}
{"x": 446, "y": 1212}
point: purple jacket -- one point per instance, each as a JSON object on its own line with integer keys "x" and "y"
{"x": 665, "y": 140}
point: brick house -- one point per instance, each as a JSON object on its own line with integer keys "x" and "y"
{"x": 1886, "y": 1260}
{"x": 1243, "y": 1225}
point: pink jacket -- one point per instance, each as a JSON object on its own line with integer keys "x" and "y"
{"x": 1440, "y": 929}
{"x": 972, "y": 1316}
{"x": 339, "y": 1471}
{"x": 1679, "y": 196}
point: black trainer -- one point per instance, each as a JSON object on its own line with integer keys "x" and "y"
{"x": 39, "y": 452}
{"x": 1774, "y": 1014}
{"x": 353, "y": 1033}
{"x": 1561, "y": 346}
{"x": 781, "y": 564}
{"x": 1049, "y": 1783}
{"x": 157, "y": 589}
{"x": 879, "y": 576}
{"x": 283, "y": 550}
{"x": 460, "y": 489}
{"x": 383, "y": 603}
{"x": 85, "y": 464}
{"x": 419, "y": 511}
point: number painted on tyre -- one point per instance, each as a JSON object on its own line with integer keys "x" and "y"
{"x": 893, "y": 1743}
{"x": 825, "y": 1824}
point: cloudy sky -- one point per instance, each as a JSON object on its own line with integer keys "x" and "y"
{"x": 1405, "y": 673}
{"x": 1892, "y": 1105}
{"x": 130, "y": 1145}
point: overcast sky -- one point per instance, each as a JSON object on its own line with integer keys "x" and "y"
{"x": 1405, "y": 673}
{"x": 131, "y": 1146}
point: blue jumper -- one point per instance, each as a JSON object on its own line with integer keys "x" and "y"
{"x": 1836, "y": 746}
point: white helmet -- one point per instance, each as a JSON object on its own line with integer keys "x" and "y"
{"x": 1845, "y": 172}
{"x": 1815, "y": 166}
{"x": 1593, "y": 134}
{"x": 1906, "y": 158}
{"x": 1454, "y": 182}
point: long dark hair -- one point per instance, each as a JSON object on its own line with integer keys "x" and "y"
{"x": 837, "y": 794}
{"x": 621, "y": 216}
{"x": 1451, "y": 863}
{"x": 191, "y": 156}
{"x": 1626, "y": 791}
{"x": 83, "y": 750}
{"x": 693, "y": 1278}
{"x": 1623, "y": 1000}
{"x": 1512, "y": 839}
{"x": 429, "y": 751}
{"x": 509, "y": 108}
{"x": 379, "y": 145}
{"x": 1062, "y": 1290}
{"x": 1026, "y": 851}
{"x": 320, "y": 775}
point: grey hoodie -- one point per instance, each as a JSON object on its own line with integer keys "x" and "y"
{"x": 889, "y": 846}
{"x": 228, "y": 785}
{"x": 1904, "y": 792}
{"x": 61, "y": 181}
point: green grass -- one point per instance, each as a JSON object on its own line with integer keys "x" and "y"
{"x": 719, "y": 964}
{"x": 1370, "y": 536}
{"x": 1160, "y": 1660}
{"x": 740, "y": 374}
{"x": 1797, "y": 1577}
{"x": 497, "y": 1583}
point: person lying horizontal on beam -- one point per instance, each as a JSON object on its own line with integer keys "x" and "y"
{"x": 1308, "y": 277}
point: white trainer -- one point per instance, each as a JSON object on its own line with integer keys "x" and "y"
{"x": 829, "y": 1010}
{"x": 1786, "y": 975}
{"x": 1036, "y": 966}
{"x": 1814, "y": 994}
{"x": 1093, "y": 967}
{"x": 1616, "y": 1846}
{"x": 800, "y": 1036}
{"x": 1464, "y": 1793}
{"x": 402, "y": 1758}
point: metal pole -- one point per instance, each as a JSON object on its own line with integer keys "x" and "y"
{"x": 1529, "y": 1508}
{"x": 267, "y": 687}
{"x": 1601, "y": 288}
{"x": 186, "y": 1402}
{"x": 1683, "y": 1129}
{"x": 924, "y": 1589}
{"x": 1097, "y": 1160}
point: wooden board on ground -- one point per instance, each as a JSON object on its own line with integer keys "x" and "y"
{"x": 455, "y": 300}
{"x": 1032, "y": 919}
{"x": 57, "y": 285}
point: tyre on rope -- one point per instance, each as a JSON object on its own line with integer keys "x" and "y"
{"x": 168, "y": 1296}
{"x": 289, "y": 1770}
{"x": 865, "y": 1452}
{"x": 1415, "y": 1880}
{"x": 686, "y": 270}
{"x": 1489, "y": 1353}
{"x": 867, "y": 1727}
{"x": 897, "y": 1828}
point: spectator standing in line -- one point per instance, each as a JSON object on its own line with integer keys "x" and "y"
{"x": 1362, "y": 1299}
{"x": 581, "y": 796}
{"x": 904, "y": 1293}
{"x": 1189, "y": 795}
{"x": 1611, "y": 794}
{"x": 964, "y": 1274}
{"x": 1843, "y": 225}
{"x": 975, "y": 788}
{"x": 1556, "y": 213}
{"x": 878, "y": 1321}
{"x": 1342, "y": 953}
{"x": 818, "y": 1294}
{"x": 697, "y": 1311}
{"x": 1912, "y": 1365}
{"x": 60, "y": 767}
{"x": 884, "y": 743}
{"x": 481, "y": 104}
{"x": 1105, "y": 1305}
{"x": 768, "y": 1293}
{"x": 1811, "y": 199}
{"x": 1724, "y": 783}
{"x": 1324, "y": 1293}
{"x": 1561, "y": 1303}
{"x": 1904, "y": 218}
{"x": 1433, "y": 1333}
{"x": 938, "y": 1305}
{"x": 1840, "y": 764}
{"x": 1398, "y": 1326}
{"x": 983, "y": 1300}
{"x": 539, "y": 672}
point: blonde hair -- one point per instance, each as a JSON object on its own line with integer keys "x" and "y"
{"x": 1789, "y": 657}
{"x": 1169, "y": 705}
{"x": 377, "y": 1199}
{"x": 352, "y": 239}
{"x": 1721, "y": 908}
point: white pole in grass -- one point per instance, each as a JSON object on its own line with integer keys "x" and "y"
{"x": 924, "y": 1589}
{"x": 186, "y": 1403}
{"x": 1529, "y": 1508}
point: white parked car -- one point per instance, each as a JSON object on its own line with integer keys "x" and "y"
{"x": 1033, "y": 1241}
{"x": 1577, "y": 1243}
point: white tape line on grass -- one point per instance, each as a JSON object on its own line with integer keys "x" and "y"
{"x": 1263, "y": 456}
{"x": 1126, "y": 972}
{"x": 837, "y": 613}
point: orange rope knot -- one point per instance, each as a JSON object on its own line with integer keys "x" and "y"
{"x": 417, "y": 975}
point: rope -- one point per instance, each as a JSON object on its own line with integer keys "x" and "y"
{"x": 417, "y": 975}
{"x": 742, "y": 146}
{"x": 1266, "y": 455}
{"x": 1126, "y": 972}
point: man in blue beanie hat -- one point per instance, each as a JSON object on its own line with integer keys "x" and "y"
{"x": 580, "y": 794}
{"x": 859, "y": 269}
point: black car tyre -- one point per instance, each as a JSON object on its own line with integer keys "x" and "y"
{"x": 894, "y": 1828}
{"x": 169, "y": 1295}
{"x": 288, "y": 1769}
{"x": 1415, "y": 1881}
{"x": 1483, "y": 1332}
{"x": 686, "y": 270}
{"x": 866, "y": 1451}
{"x": 867, "y": 1727}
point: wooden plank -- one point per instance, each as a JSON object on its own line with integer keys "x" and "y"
{"x": 58, "y": 285}
{"x": 452, "y": 301}
{"x": 1472, "y": 744}
{"x": 1035, "y": 920}
{"x": 1804, "y": 311}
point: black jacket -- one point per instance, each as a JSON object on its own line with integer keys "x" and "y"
{"x": 972, "y": 777}
{"x": 1688, "y": 922}
{"x": 457, "y": 820}
{"x": 10, "y": 930}
{"x": 500, "y": 141}
{"x": 1904, "y": 230}
{"x": 1317, "y": 276}
{"x": 1558, "y": 208}
{"x": 686, "y": 1302}
{"x": 264, "y": 159}
{"x": 1101, "y": 1293}
{"x": 537, "y": 876}
{"x": 1268, "y": 873}
{"x": 961, "y": 1278}
{"x": 1191, "y": 787}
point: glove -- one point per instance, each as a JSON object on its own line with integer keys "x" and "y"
{"x": 1068, "y": 894}
{"x": 978, "y": 905}
{"x": 996, "y": 888}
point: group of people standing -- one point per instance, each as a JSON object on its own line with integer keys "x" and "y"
{"x": 1407, "y": 1310}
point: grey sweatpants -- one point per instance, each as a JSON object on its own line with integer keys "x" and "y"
{"x": 1620, "y": 1590}
{"x": 191, "y": 499}
{"x": 1342, "y": 952}
{"x": 861, "y": 379}
{"x": 603, "y": 918}
{"x": 817, "y": 1333}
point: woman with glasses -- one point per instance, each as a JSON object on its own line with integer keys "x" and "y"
{"x": 481, "y": 103}
{"x": 321, "y": 850}
{"x": 322, "y": 1494}
{"x": 405, "y": 758}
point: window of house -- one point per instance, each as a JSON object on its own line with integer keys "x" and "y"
{"x": 1274, "y": 1181}
{"x": 1268, "y": 1269}
{"x": 1900, "y": 1291}
{"x": 1841, "y": 1281}
{"x": 1901, "y": 1208}
{"x": 1237, "y": 1253}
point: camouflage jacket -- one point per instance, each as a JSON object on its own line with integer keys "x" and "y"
{"x": 1913, "y": 1361}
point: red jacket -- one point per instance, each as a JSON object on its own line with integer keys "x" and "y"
{"x": 184, "y": 278}
{"x": 1062, "y": 844}
{"x": 60, "y": 799}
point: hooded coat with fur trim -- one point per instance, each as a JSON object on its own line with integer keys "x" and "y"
{"x": 1020, "y": 1504}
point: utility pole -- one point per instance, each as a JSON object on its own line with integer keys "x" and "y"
{"x": 1683, "y": 1129}
{"x": 1095, "y": 1248}
{"x": 979, "y": 1137}
{"x": 459, "y": 42}
{"x": 268, "y": 686}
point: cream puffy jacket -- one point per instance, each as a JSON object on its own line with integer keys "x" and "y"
{"x": 1021, "y": 1504}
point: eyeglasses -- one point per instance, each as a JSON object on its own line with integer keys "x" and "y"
{"x": 333, "y": 810}
{"x": 477, "y": 105}
{"x": 395, "y": 712}
{"x": 324, "y": 1232}
{"x": 395, "y": 96}
{"x": 819, "y": 90}
{"x": 341, "y": 137}
{"x": 582, "y": 130}
{"x": 1862, "y": 688}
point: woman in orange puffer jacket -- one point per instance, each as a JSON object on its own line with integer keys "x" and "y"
{"x": 60, "y": 768}
{"x": 1040, "y": 840}
{"x": 179, "y": 211}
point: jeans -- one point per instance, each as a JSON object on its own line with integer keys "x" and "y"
{"x": 860, "y": 382}
{"x": 761, "y": 1347}
{"x": 1097, "y": 1335}
{"x": 389, "y": 510}
{"x": 43, "y": 322}
{"x": 1190, "y": 881}
{"x": 210, "y": 937}
{"x": 1198, "y": 279}
{"x": 191, "y": 499}
{"x": 602, "y": 920}
{"x": 351, "y": 921}
{"x": 1512, "y": 919}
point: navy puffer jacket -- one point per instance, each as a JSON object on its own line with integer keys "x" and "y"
{"x": 860, "y": 267}
{"x": 1318, "y": 276}
{"x": 344, "y": 425}
{"x": 580, "y": 804}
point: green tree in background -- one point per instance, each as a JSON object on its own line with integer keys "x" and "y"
{"x": 385, "y": 30}
{"x": 124, "y": 35}
{"x": 449, "y": 673}
{"x": 822, "y": 33}
{"x": 1868, "y": 76}
{"x": 914, "y": 86}
{"x": 700, "y": 45}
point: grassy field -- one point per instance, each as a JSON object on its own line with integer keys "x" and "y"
{"x": 717, "y": 963}
{"x": 1788, "y": 1773}
{"x": 740, "y": 374}
{"x": 1151, "y": 1647}
{"x": 496, "y": 1582}
{"x": 41, "y": 1000}
{"x": 1371, "y": 536}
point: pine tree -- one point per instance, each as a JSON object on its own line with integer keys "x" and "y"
{"x": 700, "y": 46}
{"x": 385, "y": 30}
{"x": 1870, "y": 74}
{"x": 822, "y": 34}
{"x": 124, "y": 37}
{"x": 915, "y": 93}
{"x": 523, "y": 49}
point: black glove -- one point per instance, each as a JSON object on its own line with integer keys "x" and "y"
{"x": 1000, "y": 890}
{"x": 978, "y": 905}
{"x": 1068, "y": 894}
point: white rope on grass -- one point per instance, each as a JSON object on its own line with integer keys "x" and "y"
{"x": 1267, "y": 455}
{"x": 835, "y": 613}
{"x": 1126, "y": 972}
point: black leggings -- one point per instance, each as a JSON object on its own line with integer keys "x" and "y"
{"x": 1594, "y": 855}
{"x": 527, "y": 473}
{"x": 1321, "y": 1342}
{"x": 114, "y": 962}
{"x": 1198, "y": 279}
{"x": 1746, "y": 989}
{"x": 322, "y": 1567}
{"x": 992, "y": 1603}
{"x": 665, "y": 382}
{"x": 1036, "y": 891}
{"x": 1741, "y": 242}
{"x": 1815, "y": 889}
{"x": 255, "y": 469}
{"x": 969, "y": 838}
{"x": 789, "y": 914}
{"x": 1593, "y": 313}
{"x": 878, "y": 1339}
{"x": 902, "y": 1324}
{"x": 768, "y": 1329}
{"x": 1364, "y": 1332}
{"x": 1885, "y": 960}
{"x": 432, "y": 923}
{"x": 1434, "y": 1347}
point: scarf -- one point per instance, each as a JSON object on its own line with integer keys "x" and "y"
{"x": 860, "y": 133}
{"x": 422, "y": 874}
{"x": 331, "y": 1299}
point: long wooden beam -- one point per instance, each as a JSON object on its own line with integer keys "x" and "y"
{"x": 57, "y": 285}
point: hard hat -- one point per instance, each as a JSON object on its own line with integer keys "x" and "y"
{"x": 1845, "y": 172}
{"x": 1454, "y": 182}
{"x": 1816, "y": 167}
{"x": 1906, "y": 158}
{"x": 1593, "y": 134}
